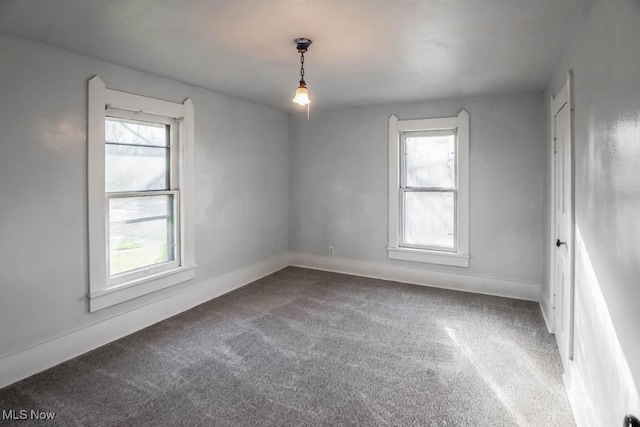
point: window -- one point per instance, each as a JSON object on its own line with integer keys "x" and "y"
{"x": 429, "y": 190}
{"x": 140, "y": 174}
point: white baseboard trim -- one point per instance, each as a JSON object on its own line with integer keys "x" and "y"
{"x": 39, "y": 357}
{"x": 545, "y": 308}
{"x": 458, "y": 282}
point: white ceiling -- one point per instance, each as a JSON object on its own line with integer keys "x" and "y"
{"x": 364, "y": 51}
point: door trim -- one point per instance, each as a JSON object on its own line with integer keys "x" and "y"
{"x": 564, "y": 97}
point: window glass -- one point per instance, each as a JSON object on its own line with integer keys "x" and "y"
{"x": 429, "y": 219}
{"x": 141, "y": 232}
{"x": 135, "y": 132}
{"x": 428, "y": 193}
{"x": 136, "y": 155}
{"x": 430, "y": 161}
{"x": 141, "y": 225}
{"x": 136, "y": 168}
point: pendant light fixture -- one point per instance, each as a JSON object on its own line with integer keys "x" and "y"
{"x": 302, "y": 93}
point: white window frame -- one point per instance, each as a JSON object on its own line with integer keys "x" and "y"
{"x": 105, "y": 291}
{"x": 460, "y": 125}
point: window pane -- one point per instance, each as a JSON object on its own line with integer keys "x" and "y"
{"x": 133, "y": 168}
{"x": 141, "y": 232}
{"x": 125, "y": 131}
{"x": 430, "y": 161}
{"x": 429, "y": 219}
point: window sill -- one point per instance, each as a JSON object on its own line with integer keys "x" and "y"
{"x": 139, "y": 287}
{"x": 431, "y": 257}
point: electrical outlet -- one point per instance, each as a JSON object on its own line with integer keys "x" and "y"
{"x": 331, "y": 250}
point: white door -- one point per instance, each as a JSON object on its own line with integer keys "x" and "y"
{"x": 563, "y": 231}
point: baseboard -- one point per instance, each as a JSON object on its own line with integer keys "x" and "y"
{"x": 458, "y": 282}
{"x": 546, "y": 308}
{"x": 39, "y": 357}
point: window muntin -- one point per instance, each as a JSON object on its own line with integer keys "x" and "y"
{"x": 428, "y": 188}
{"x": 142, "y": 192}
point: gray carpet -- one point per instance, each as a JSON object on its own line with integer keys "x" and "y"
{"x": 303, "y": 347}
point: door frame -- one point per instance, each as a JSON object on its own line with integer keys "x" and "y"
{"x": 564, "y": 97}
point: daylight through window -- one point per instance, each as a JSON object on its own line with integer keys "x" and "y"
{"x": 140, "y": 191}
{"x": 429, "y": 190}
{"x": 142, "y": 200}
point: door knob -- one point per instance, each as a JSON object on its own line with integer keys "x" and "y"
{"x": 631, "y": 421}
{"x": 559, "y": 243}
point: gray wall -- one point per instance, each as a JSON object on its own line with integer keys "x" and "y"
{"x": 605, "y": 58}
{"x": 242, "y": 184}
{"x": 339, "y": 183}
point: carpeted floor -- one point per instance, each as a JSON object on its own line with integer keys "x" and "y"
{"x": 303, "y": 347}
